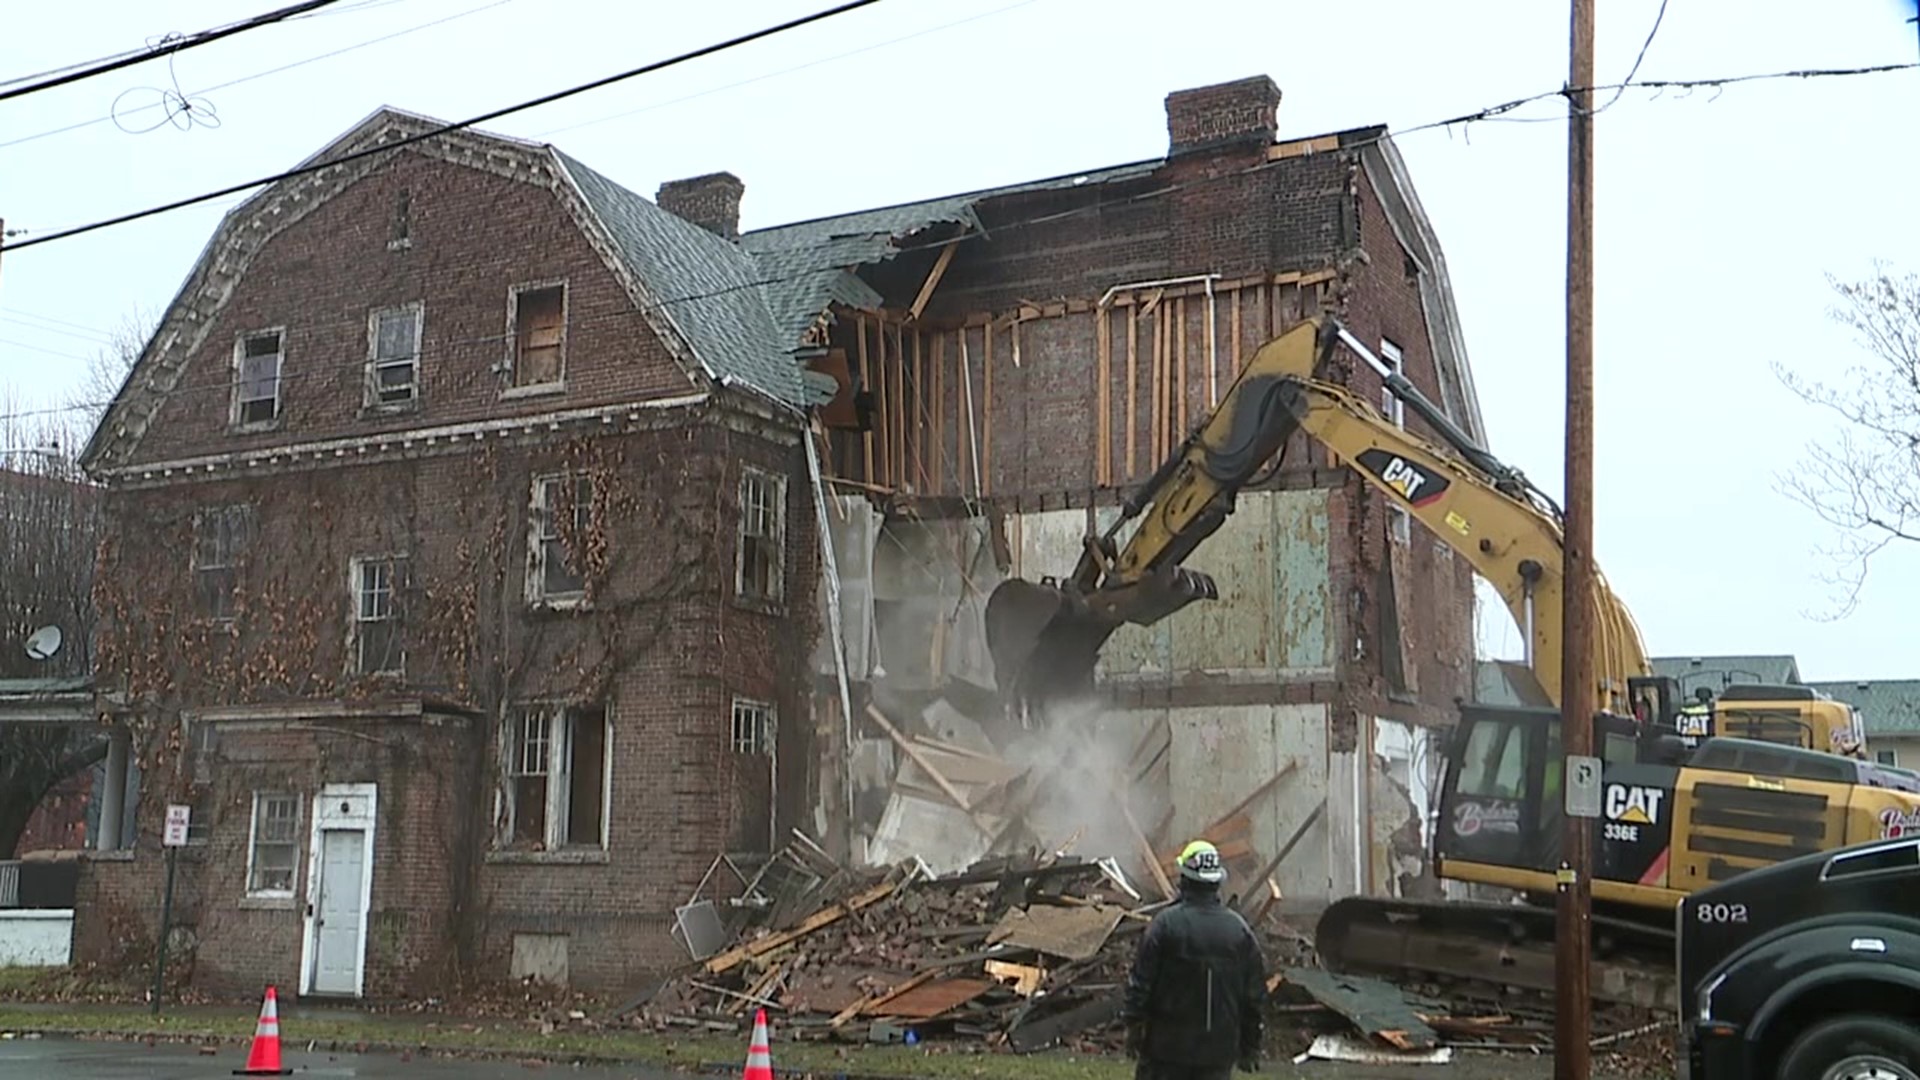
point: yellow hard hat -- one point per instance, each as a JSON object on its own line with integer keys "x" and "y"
{"x": 1200, "y": 861}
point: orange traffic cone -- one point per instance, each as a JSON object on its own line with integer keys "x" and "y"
{"x": 759, "y": 1055}
{"x": 264, "y": 1058}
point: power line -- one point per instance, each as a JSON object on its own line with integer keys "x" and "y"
{"x": 168, "y": 48}
{"x": 111, "y": 116}
{"x": 1658, "y": 18}
{"x": 1492, "y": 112}
{"x": 708, "y": 50}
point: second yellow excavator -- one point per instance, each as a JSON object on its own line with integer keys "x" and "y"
{"x": 1694, "y": 794}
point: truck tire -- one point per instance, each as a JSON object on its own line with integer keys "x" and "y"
{"x": 1857, "y": 1047}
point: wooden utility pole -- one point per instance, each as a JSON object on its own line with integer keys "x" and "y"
{"x": 1573, "y": 951}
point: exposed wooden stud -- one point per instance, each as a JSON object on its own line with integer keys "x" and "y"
{"x": 1133, "y": 405}
{"x": 1103, "y": 439}
{"x": 901, "y": 478}
{"x": 986, "y": 410}
{"x": 1159, "y": 386}
{"x": 973, "y": 419}
{"x": 937, "y": 406}
{"x": 866, "y": 380}
{"x": 939, "y": 271}
{"x": 919, "y": 412}
{"x": 1236, "y": 337}
{"x": 1180, "y": 350}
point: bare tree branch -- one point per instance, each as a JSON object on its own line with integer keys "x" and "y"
{"x": 1865, "y": 482}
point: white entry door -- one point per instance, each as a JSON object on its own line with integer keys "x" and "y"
{"x": 338, "y": 917}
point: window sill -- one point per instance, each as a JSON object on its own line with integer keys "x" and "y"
{"x": 260, "y": 428}
{"x": 116, "y": 855}
{"x": 777, "y": 608}
{"x": 535, "y": 390}
{"x": 268, "y": 903}
{"x": 563, "y": 857}
{"x": 399, "y": 245}
{"x": 375, "y": 410}
{"x": 560, "y": 604}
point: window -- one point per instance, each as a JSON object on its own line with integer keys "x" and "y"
{"x": 763, "y": 533}
{"x": 274, "y": 849}
{"x": 1495, "y": 762}
{"x": 556, "y": 777}
{"x": 221, "y": 538}
{"x": 377, "y": 645}
{"x": 256, "y": 382}
{"x": 402, "y": 234}
{"x": 1886, "y": 757}
{"x": 752, "y": 727}
{"x": 393, "y": 359}
{"x": 562, "y": 520}
{"x": 538, "y": 332}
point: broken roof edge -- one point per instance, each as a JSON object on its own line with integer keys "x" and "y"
{"x": 1381, "y": 160}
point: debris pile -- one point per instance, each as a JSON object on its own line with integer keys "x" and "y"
{"x": 1025, "y": 953}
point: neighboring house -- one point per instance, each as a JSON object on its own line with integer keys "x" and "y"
{"x": 1696, "y": 673}
{"x": 464, "y": 554}
{"x": 1890, "y": 710}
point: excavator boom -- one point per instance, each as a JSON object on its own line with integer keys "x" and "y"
{"x": 1046, "y": 636}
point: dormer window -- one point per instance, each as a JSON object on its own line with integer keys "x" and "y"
{"x": 257, "y": 360}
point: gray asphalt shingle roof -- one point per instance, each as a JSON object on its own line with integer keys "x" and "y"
{"x": 1887, "y": 706}
{"x": 709, "y": 287}
{"x": 1714, "y": 672}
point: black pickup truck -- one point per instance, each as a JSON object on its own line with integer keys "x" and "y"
{"x": 1805, "y": 970}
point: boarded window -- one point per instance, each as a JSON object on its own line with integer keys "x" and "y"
{"x": 275, "y": 848}
{"x": 378, "y": 647}
{"x": 557, "y": 777}
{"x": 562, "y": 522}
{"x": 394, "y": 368}
{"x": 221, "y": 537}
{"x": 762, "y": 564}
{"x": 539, "y": 320}
{"x": 256, "y": 391}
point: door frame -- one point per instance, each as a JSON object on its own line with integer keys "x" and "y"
{"x": 338, "y": 808}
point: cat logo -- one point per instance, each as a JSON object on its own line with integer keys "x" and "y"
{"x": 1634, "y": 804}
{"x": 1408, "y": 480}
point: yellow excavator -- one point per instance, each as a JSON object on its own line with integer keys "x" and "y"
{"x": 1758, "y": 775}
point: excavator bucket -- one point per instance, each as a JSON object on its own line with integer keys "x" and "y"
{"x": 1044, "y": 642}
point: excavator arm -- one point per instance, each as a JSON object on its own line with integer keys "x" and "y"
{"x": 1045, "y": 637}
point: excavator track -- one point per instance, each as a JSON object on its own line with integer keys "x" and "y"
{"x": 1502, "y": 945}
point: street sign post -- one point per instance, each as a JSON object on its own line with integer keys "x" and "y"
{"x": 1583, "y": 786}
{"x": 173, "y": 839}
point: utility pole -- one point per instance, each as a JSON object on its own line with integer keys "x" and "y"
{"x": 1573, "y": 946}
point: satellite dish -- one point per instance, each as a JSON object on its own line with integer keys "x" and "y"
{"x": 44, "y": 643}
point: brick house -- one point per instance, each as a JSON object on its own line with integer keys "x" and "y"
{"x": 1031, "y": 352}
{"x": 475, "y": 528}
{"x": 458, "y": 573}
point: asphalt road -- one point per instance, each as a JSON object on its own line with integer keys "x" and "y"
{"x": 65, "y": 1059}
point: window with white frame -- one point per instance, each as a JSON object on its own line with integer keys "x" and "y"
{"x": 273, "y": 851}
{"x": 539, "y": 335}
{"x": 1399, "y": 521}
{"x": 1887, "y": 757}
{"x": 221, "y": 536}
{"x": 761, "y": 571}
{"x": 378, "y": 645}
{"x": 393, "y": 358}
{"x": 257, "y": 360}
{"x": 752, "y": 727}
{"x": 556, "y": 777}
{"x": 560, "y": 530}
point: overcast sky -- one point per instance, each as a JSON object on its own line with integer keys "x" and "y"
{"x": 1718, "y": 214}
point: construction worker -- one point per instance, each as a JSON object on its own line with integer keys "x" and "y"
{"x": 1194, "y": 996}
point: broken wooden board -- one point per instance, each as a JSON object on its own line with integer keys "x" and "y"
{"x": 1071, "y": 933}
{"x": 1378, "y": 1009}
{"x": 929, "y": 1000}
{"x": 1022, "y": 979}
{"x": 826, "y": 916}
{"x": 1352, "y": 1050}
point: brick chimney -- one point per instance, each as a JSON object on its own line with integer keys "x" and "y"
{"x": 711, "y": 202}
{"x": 1223, "y": 115}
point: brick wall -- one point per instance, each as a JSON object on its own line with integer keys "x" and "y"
{"x": 472, "y": 236}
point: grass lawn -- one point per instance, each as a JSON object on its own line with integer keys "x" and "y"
{"x": 518, "y": 1039}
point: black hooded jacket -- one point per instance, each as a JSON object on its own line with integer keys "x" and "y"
{"x": 1198, "y": 983}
